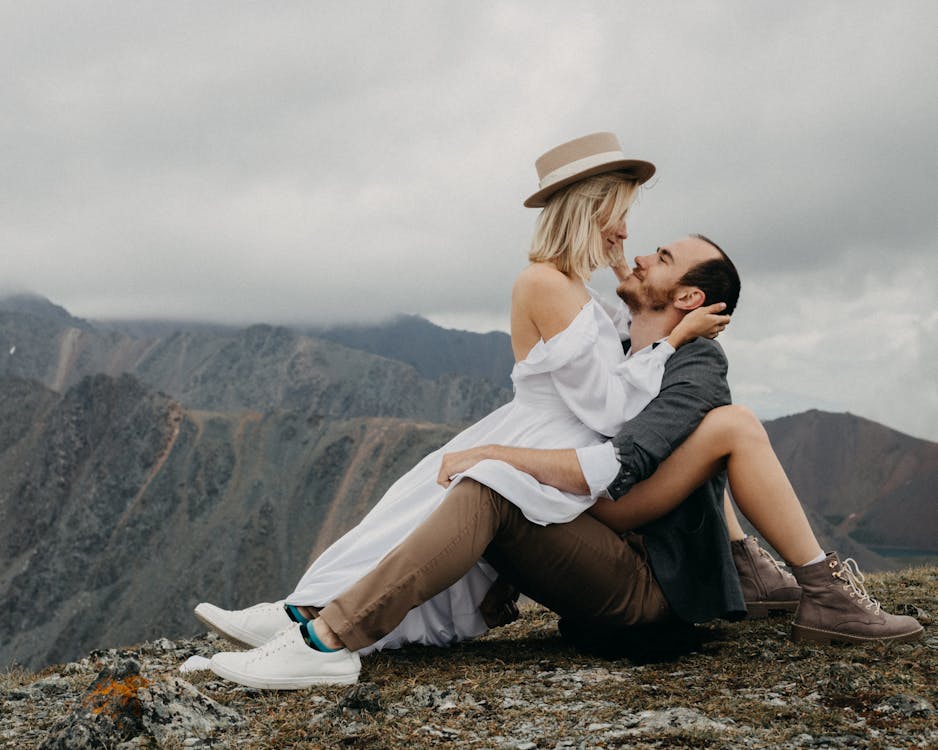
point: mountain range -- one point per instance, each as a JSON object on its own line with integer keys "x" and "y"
{"x": 146, "y": 467}
{"x": 260, "y": 367}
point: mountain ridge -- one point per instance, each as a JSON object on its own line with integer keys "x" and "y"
{"x": 884, "y": 493}
{"x": 260, "y": 366}
{"x": 209, "y": 463}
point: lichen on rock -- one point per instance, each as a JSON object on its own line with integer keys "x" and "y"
{"x": 121, "y": 705}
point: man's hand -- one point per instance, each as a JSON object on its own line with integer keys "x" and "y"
{"x": 459, "y": 461}
{"x": 500, "y": 604}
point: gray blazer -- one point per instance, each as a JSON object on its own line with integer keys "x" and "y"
{"x": 689, "y": 548}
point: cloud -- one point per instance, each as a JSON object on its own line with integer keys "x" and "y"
{"x": 324, "y": 161}
{"x": 868, "y": 347}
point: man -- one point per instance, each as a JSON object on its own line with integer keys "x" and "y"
{"x": 681, "y": 567}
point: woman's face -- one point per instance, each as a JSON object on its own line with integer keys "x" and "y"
{"x": 614, "y": 236}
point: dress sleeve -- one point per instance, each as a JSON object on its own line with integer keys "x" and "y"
{"x": 600, "y": 466}
{"x": 602, "y": 394}
{"x": 605, "y": 398}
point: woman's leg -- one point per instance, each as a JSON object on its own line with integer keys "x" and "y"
{"x": 732, "y": 521}
{"x": 730, "y": 437}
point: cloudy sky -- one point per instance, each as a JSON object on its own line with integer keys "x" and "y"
{"x": 313, "y": 162}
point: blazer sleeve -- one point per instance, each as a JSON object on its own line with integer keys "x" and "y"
{"x": 694, "y": 383}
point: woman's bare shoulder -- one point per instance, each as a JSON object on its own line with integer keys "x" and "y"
{"x": 548, "y": 298}
{"x": 542, "y": 278}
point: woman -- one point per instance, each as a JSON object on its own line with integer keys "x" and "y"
{"x": 573, "y": 387}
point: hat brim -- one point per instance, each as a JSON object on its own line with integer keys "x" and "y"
{"x": 641, "y": 171}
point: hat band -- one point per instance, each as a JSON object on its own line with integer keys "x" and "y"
{"x": 580, "y": 165}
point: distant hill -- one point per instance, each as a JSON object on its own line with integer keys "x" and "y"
{"x": 41, "y": 308}
{"x": 873, "y": 483}
{"x": 260, "y": 367}
{"x": 431, "y": 350}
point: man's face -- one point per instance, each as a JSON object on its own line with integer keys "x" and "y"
{"x": 655, "y": 276}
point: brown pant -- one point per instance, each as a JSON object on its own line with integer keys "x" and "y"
{"x": 580, "y": 569}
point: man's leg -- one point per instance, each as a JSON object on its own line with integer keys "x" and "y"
{"x": 433, "y": 557}
{"x": 834, "y": 604}
{"x": 472, "y": 520}
{"x": 548, "y": 563}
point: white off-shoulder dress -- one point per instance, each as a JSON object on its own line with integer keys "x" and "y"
{"x": 574, "y": 390}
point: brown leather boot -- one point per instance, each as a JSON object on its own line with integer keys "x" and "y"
{"x": 835, "y": 607}
{"x": 766, "y": 586}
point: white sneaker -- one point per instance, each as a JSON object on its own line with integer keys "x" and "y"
{"x": 247, "y": 627}
{"x": 287, "y": 663}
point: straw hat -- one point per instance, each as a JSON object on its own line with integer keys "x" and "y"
{"x": 590, "y": 155}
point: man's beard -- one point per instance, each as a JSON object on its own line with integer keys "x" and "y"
{"x": 644, "y": 298}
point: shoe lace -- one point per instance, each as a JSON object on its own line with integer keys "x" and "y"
{"x": 275, "y": 644}
{"x": 849, "y": 573}
{"x": 779, "y": 566}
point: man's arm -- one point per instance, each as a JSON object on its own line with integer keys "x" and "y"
{"x": 694, "y": 383}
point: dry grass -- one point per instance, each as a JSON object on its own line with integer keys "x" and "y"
{"x": 522, "y": 684}
{"x": 523, "y": 687}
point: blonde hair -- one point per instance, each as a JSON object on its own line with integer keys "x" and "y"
{"x": 569, "y": 230}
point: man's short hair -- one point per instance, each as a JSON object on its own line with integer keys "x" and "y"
{"x": 718, "y": 279}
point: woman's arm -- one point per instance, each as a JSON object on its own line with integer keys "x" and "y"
{"x": 558, "y": 468}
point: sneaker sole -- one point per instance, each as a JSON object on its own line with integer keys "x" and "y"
{"x": 240, "y": 637}
{"x": 760, "y": 610}
{"x": 801, "y": 633}
{"x": 281, "y": 683}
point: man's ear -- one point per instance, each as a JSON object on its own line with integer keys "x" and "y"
{"x": 688, "y": 298}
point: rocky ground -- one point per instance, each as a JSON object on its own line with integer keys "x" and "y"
{"x": 521, "y": 687}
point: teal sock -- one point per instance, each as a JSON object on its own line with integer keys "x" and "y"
{"x": 294, "y": 614}
{"x": 312, "y": 640}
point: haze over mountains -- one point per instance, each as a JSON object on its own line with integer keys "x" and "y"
{"x": 260, "y": 367}
{"x": 144, "y": 467}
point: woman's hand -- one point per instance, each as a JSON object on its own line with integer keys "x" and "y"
{"x": 622, "y": 270}
{"x": 459, "y": 461}
{"x": 704, "y": 321}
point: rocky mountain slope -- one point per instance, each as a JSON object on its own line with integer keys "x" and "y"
{"x": 120, "y": 509}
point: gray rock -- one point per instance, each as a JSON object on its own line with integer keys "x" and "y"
{"x": 53, "y": 685}
{"x": 907, "y": 705}
{"x": 123, "y": 708}
{"x": 19, "y": 694}
{"x": 678, "y": 717}
{"x": 365, "y": 696}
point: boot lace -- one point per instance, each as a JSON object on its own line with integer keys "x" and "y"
{"x": 849, "y": 573}
{"x": 777, "y": 563}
